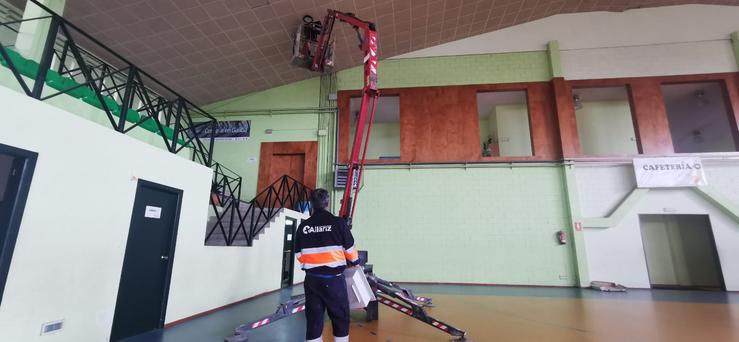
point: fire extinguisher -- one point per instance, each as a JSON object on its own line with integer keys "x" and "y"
{"x": 562, "y": 237}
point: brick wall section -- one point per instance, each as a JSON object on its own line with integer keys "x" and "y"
{"x": 472, "y": 226}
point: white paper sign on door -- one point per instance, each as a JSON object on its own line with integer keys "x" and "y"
{"x": 153, "y": 212}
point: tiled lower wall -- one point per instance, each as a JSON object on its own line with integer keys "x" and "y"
{"x": 492, "y": 225}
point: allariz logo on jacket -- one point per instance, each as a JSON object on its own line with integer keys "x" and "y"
{"x": 317, "y": 229}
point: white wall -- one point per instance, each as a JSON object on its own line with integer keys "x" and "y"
{"x": 652, "y": 60}
{"x": 71, "y": 243}
{"x": 685, "y": 39}
{"x": 207, "y": 277}
{"x": 617, "y": 253}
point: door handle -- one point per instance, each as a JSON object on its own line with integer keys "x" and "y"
{"x": 165, "y": 257}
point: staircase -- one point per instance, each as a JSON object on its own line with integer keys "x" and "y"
{"x": 237, "y": 223}
{"x": 219, "y": 239}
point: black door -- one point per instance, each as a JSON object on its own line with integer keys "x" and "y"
{"x": 288, "y": 254}
{"x": 16, "y": 171}
{"x": 147, "y": 264}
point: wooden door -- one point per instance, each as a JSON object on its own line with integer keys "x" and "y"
{"x": 292, "y": 164}
{"x": 297, "y": 159}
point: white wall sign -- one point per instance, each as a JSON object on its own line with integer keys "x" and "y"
{"x": 153, "y": 212}
{"x": 669, "y": 172}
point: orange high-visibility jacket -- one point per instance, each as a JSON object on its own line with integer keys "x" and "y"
{"x": 324, "y": 244}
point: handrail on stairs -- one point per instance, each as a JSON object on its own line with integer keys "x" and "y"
{"x": 246, "y": 219}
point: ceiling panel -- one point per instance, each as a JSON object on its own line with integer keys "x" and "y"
{"x": 209, "y": 50}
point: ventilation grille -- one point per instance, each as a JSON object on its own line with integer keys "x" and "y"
{"x": 51, "y": 327}
{"x": 342, "y": 171}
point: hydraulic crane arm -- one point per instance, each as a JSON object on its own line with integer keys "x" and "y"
{"x": 368, "y": 43}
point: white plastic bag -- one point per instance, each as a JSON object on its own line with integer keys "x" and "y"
{"x": 357, "y": 287}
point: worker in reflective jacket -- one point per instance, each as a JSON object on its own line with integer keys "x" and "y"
{"x": 324, "y": 247}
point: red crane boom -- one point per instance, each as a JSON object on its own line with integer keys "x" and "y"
{"x": 389, "y": 294}
{"x": 368, "y": 43}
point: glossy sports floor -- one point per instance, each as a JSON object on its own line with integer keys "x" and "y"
{"x": 497, "y": 313}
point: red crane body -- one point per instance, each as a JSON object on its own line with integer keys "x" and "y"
{"x": 370, "y": 94}
{"x": 389, "y": 294}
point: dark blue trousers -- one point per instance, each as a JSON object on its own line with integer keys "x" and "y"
{"x": 326, "y": 294}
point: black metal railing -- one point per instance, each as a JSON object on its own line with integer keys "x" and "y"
{"x": 226, "y": 184}
{"x": 127, "y": 95}
{"x": 74, "y": 63}
{"x": 238, "y": 221}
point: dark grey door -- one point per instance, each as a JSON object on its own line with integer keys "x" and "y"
{"x": 147, "y": 264}
{"x": 16, "y": 172}
{"x": 288, "y": 253}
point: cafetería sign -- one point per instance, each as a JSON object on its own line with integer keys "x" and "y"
{"x": 669, "y": 172}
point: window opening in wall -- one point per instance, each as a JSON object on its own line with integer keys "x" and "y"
{"x": 700, "y": 118}
{"x": 605, "y": 121}
{"x": 504, "y": 124}
{"x": 385, "y": 140}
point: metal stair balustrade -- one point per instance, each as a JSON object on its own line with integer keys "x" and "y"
{"x": 100, "y": 77}
{"x": 239, "y": 223}
{"x": 74, "y": 63}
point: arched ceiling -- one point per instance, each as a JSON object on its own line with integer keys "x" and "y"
{"x": 210, "y": 50}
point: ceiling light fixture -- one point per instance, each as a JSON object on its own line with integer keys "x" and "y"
{"x": 702, "y": 99}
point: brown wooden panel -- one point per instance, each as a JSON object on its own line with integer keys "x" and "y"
{"x": 732, "y": 99}
{"x": 265, "y": 165}
{"x": 292, "y": 165}
{"x": 650, "y": 114}
{"x": 277, "y": 156}
{"x": 566, "y": 118}
{"x": 439, "y": 124}
{"x": 542, "y": 118}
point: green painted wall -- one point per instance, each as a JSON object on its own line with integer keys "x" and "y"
{"x": 466, "y": 225}
{"x": 454, "y": 70}
{"x": 489, "y": 68}
{"x": 555, "y": 58}
{"x": 422, "y": 224}
{"x": 243, "y": 156}
{"x": 606, "y": 128}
